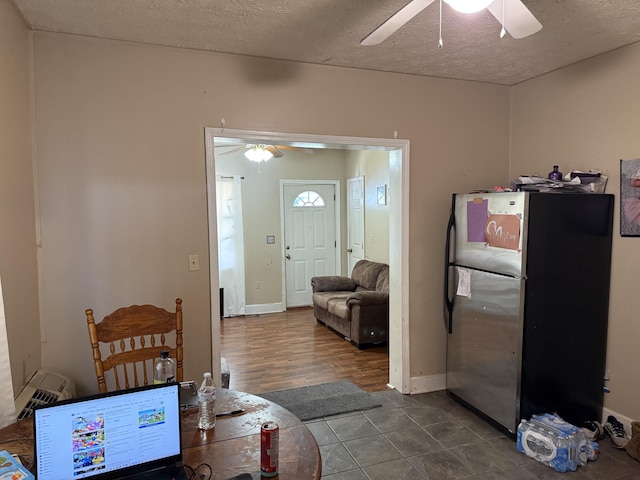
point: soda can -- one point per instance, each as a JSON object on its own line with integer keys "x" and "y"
{"x": 269, "y": 445}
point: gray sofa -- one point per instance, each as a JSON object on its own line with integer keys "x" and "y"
{"x": 357, "y": 306}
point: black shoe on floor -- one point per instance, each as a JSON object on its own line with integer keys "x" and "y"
{"x": 593, "y": 430}
{"x": 615, "y": 430}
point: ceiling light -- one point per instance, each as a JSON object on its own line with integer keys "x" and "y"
{"x": 258, "y": 153}
{"x": 469, "y": 6}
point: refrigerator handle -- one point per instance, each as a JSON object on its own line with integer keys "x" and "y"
{"x": 447, "y": 267}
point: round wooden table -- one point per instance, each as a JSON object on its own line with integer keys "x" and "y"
{"x": 232, "y": 448}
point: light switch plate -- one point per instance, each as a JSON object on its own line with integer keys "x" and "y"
{"x": 194, "y": 263}
{"x": 271, "y": 239}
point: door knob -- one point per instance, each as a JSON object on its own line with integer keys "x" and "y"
{"x": 349, "y": 250}
{"x": 288, "y": 257}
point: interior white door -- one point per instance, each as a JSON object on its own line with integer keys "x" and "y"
{"x": 310, "y": 238}
{"x": 355, "y": 221}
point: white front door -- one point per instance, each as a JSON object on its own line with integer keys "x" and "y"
{"x": 355, "y": 221}
{"x": 309, "y": 238}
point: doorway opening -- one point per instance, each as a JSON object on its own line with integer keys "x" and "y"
{"x": 398, "y": 151}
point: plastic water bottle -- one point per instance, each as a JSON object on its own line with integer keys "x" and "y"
{"x": 165, "y": 369}
{"x": 207, "y": 403}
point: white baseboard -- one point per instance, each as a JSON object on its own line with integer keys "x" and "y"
{"x": 264, "y": 308}
{"x": 426, "y": 384}
{"x": 626, "y": 421}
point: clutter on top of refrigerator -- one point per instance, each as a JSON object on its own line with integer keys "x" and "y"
{"x": 579, "y": 181}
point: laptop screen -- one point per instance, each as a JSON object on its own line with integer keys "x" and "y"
{"x": 108, "y": 435}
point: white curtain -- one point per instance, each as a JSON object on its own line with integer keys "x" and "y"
{"x": 8, "y": 410}
{"x": 231, "y": 244}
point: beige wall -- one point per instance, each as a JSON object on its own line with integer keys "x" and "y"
{"x": 122, "y": 173}
{"x": 373, "y": 165}
{"x": 18, "y": 268}
{"x": 587, "y": 116}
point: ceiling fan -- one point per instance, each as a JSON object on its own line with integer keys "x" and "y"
{"x": 514, "y": 16}
{"x": 259, "y": 152}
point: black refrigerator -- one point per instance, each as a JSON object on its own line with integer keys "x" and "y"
{"x": 527, "y": 279}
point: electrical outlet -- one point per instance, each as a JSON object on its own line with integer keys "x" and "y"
{"x": 194, "y": 263}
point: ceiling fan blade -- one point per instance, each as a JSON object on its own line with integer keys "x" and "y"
{"x": 232, "y": 150}
{"x": 518, "y": 20}
{"x": 274, "y": 151}
{"x": 295, "y": 149}
{"x": 395, "y": 21}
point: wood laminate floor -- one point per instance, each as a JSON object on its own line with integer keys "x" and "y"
{"x": 290, "y": 349}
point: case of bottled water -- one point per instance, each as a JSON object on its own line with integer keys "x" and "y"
{"x": 550, "y": 440}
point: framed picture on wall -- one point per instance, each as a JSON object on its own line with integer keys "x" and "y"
{"x": 630, "y": 198}
{"x": 381, "y": 191}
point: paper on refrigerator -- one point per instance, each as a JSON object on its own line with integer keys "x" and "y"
{"x": 464, "y": 282}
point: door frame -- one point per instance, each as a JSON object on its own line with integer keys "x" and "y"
{"x": 336, "y": 219}
{"x": 399, "y": 324}
{"x": 350, "y": 262}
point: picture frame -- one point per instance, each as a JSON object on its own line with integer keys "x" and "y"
{"x": 381, "y": 194}
{"x": 630, "y": 198}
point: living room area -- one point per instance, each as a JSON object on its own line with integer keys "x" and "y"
{"x": 262, "y": 250}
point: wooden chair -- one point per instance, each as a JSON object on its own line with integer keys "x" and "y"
{"x": 135, "y": 337}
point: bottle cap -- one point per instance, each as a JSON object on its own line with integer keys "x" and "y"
{"x": 164, "y": 354}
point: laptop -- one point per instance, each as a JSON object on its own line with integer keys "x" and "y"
{"x": 133, "y": 433}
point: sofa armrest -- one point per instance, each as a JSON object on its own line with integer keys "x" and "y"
{"x": 332, "y": 283}
{"x": 367, "y": 297}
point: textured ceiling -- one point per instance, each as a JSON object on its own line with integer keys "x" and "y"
{"x": 329, "y": 32}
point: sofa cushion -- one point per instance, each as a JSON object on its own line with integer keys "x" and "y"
{"x": 338, "y": 307}
{"x": 332, "y": 283}
{"x": 382, "y": 284}
{"x": 321, "y": 299}
{"x": 365, "y": 273}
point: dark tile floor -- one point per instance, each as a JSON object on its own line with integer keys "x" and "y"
{"x": 431, "y": 436}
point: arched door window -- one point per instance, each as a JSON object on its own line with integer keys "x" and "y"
{"x": 309, "y": 198}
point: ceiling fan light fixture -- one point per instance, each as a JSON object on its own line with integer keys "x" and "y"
{"x": 469, "y": 6}
{"x": 258, "y": 153}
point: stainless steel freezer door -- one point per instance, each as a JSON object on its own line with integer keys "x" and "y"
{"x": 484, "y": 349}
{"x": 473, "y": 247}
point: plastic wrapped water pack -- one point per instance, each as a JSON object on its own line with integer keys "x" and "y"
{"x": 550, "y": 440}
